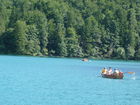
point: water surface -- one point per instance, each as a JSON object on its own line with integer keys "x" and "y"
{"x": 63, "y": 81}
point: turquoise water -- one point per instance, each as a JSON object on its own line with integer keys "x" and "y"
{"x": 61, "y": 81}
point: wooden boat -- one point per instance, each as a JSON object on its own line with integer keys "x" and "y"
{"x": 113, "y": 76}
{"x": 85, "y": 59}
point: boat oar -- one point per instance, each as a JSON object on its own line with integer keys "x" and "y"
{"x": 130, "y": 72}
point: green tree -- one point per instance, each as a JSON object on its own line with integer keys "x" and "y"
{"x": 61, "y": 49}
{"x": 19, "y": 36}
{"x": 5, "y": 11}
{"x": 120, "y": 53}
{"x": 73, "y": 48}
{"x": 33, "y": 43}
{"x": 38, "y": 19}
{"x": 7, "y": 40}
{"x": 131, "y": 34}
{"x": 51, "y": 37}
{"x": 91, "y": 37}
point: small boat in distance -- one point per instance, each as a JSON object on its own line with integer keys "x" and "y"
{"x": 85, "y": 59}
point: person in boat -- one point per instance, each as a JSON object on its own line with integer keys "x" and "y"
{"x": 116, "y": 72}
{"x": 104, "y": 71}
{"x": 110, "y": 71}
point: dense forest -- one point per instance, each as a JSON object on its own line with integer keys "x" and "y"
{"x": 71, "y": 28}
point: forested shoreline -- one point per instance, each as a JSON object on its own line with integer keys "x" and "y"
{"x": 71, "y": 28}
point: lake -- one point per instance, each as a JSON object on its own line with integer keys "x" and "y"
{"x": 66, "y": 81}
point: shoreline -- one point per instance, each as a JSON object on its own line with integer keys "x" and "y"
{"x": 80, "y": 58}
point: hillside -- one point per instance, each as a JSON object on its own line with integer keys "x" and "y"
{"x": 71, "y": 28}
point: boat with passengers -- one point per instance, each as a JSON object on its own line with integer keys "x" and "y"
{"x": 117, "y": 74}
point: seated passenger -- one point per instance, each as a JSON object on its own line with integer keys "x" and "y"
{"x": 110, "y": 71}
{"x": 116, "y": 72}
{"x": 104, "y": 71}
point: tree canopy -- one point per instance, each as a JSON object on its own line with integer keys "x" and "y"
{"x": 71, "y": 28}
